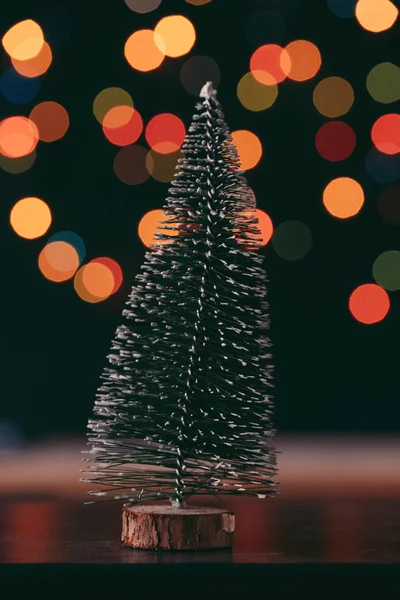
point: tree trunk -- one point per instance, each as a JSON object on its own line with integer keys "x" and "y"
{"x": 172, "y": 528}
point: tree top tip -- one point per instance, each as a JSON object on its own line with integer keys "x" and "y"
{"x": 208, "y": 90}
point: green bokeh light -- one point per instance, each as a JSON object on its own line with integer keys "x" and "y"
{"x": 383, "y": 83}
{"x": 292, "y": 240}
{"x": 386, "y": 270}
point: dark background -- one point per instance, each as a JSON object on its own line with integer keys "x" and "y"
{"x": 332, "y": 373}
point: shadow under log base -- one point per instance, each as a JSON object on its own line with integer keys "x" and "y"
{"x": 174, "y": 528}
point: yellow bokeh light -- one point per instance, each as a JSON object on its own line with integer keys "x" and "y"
{"x": 154, "y": 222}
{"x": 383, "y": 83}
{"x": 17, "y": 165}
{"x": 162, "y": 166}
{"x": 249, "y": 148}
{"x": 36, "y": 66}
{"x": 24, "y": 40}
{"x": 58, "y": 261}
{"x": 175, "y": 35}
{"x": 94, "y": 282}
{"x": 108, "y": 99}
{"x": 118, "y": 116}
{"x": 376, "y": 15}
{"x": 333, "y": 97}
{"x": 343, "y": 197}
{"x": 254, "y": 95}
{"x": 144, "y": 50}
{"x": 30, "y": 218}
{"x": 305, "y": 60}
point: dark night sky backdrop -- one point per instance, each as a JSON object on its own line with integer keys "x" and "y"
{"x": 332, "y": 373}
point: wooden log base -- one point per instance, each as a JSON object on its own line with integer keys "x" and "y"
{"x": 171, "y": 528}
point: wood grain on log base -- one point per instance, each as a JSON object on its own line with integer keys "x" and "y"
{"x": 172, "y": 528}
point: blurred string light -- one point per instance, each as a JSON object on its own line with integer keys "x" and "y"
{"x": 58, "y": 261}
{"x": 265, "y": 26}
{"x": 108, "y": 99}
{"x": 17, "y": 165}
{"x": 144, "y": 50}
{"x": 153, "y": 222}
{"x": 255, "y": 96}
{"x": 30, "y": 218}
{"x": 345, "y": 9}
{"x": 248, "y": 147}
{"x": 376, "y": 15}
{"x": 335, "y": 141}
{"x": 369, "y": 303}
{"x": 270, "y": 64}
{"x": 24, "y": 40}
{"x": 130, "y": 165}
{"x": 162, "y": 167}
{"x": 386, "y": 270}
{"x": 94, "y": 282}
{"x": 304, "y": 60}
{"x": 19, "y": 137}
{"x": 292, "y": 240}
{"x": 71, "y": 238}
{"x": 18, "y": 89}
{"x": 175, "y": 35}
{"x": 142, "y": 6}
{"x": 36, "y": 66}
{"x": 51, "y": 120}
{"x": 165, "y": 133}
{"x": 383, "y": 83}
{"x": 126, "y": 125}
{"x": 389, "y": 205}
{"x": 385, "y": 134}
{"x": 196, "y": 71}
{"x": 383, "y": 168}
{"x": 333, "y": 97}
{"x": 343, "y": 197}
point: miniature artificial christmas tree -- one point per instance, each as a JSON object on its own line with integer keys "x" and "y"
{"x": 185, "y": 406}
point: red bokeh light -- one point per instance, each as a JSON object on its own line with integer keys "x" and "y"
{"x": 165, "y": 133}
{"x": 114, "y": 268}
{"x": 270, "y": 64}
{"x": 369, "y": 303}
{"x": 335, "y": 141}
{"x": 385, "y": 134}
{"x": 127, "y": 133}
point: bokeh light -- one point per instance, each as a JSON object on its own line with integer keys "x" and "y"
{"x": 30, "y": 218}
{"x": 125, "y": 134}
{"x": 115, "y": 269}
{"x": 385, "y": 134}
{"x": 152, "y": 223}
{"x": 376, "y": 15}
{"x": 198, "y": 2}
{"x": 292, "y": 240}
{"x": 254, "y": 95}
{"x": 58, "y": 261}
{"x": 383, "y": 83}
{"x": 343, "y": 197}
{"x": 71, "y": 238}
{"x": 94, "y": 282}
{"x": 144, "y": 50}
{"x": 196, "y": 71}
{"x": 265, "y": 26}
{"x": 249, "y": 148}
{"x": 333, "y": 97}
{"x": 389, "y": 205}
{"x": 143, "y": 6}
{"x": 335, "y": 141}
{"x": 165, "y": 133}
{"x": 117, "y": 116}
{"x": 130, "y": 165}
{"x": 51, "y": 120}
{"x": 24, "y": 40}
{"x": 345, "y": 9}
{"x": 18, "y": 89}
{"x": 19, "y": 137}
{"x": 386, "y": 270}
{"x": 383, "y": 168}
{"x": 36, "y": 66}
{"x": 369, "y": 303}
{"x": 162, "y": 166}
{"x": 264, "y": 224}
{"x": 17, "y": 165}
{"x": 108, "y": 99}
{"x": 175, "y": 35}
{"x": 304, "y": 60}
{"x": 270, "y": 64}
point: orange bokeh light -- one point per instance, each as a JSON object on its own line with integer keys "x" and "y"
{"x": 385, "y": 134}
{"x": 249, "y": 148}
{"x": 19, "y": 136}
{"x": 144, "y": 50}
{"x": 369, "y": 303}
{"x": 175, "y": 35}
{"x": 304, "y": 60}
{"x": 51, "y": 120}
{"x": 118, "y": 116}
{"x": 343, "y": 197}
{"x": 58, "y": 261}
{"x": 30, "y": 218}
{"x": 24, "y": 40}
{"x": 115, "y": 269}
{"x": 376, "y": 15}
{"x": 125, "y": 134}
{"x": 94, "y": 282}
{"x": 270, "y": 64}
{"x": 264, "y": 225}
{"x": 165, "y": 133}
{"x": 151, "y": 223}
{"x": 36, "y": 66}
